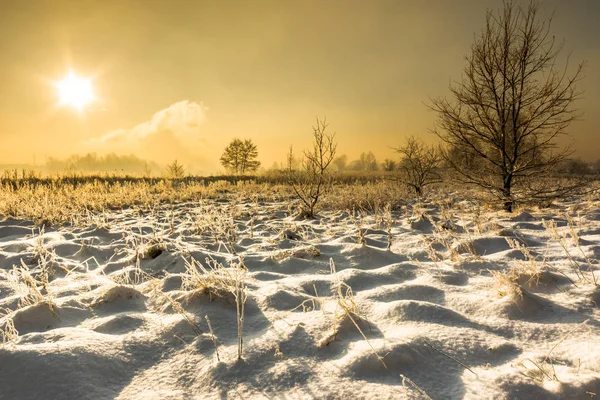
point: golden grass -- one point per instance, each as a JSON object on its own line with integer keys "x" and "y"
{"x": 57, "y": 202}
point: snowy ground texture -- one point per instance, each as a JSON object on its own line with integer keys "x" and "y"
{"x": 465, "y": 304}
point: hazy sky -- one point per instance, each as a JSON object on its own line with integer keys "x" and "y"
{"x": 198, "y": 73}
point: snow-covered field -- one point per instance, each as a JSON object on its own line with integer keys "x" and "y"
{"x": 466, "y": 303}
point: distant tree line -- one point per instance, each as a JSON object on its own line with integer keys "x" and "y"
{"x": 367, "y": 162}
{"x": 92, "y": 163}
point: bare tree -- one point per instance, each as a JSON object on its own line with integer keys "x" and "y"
{"x": 388, "y": 165}
{"x": 368, "y": 161}
{"x": 419, "y": 165}
{"x": 289, "y": 160}
{"x": 341, "y": 162}
{"x": 365, "y": 163}
{"x": 175, "y": 170}
{"x": 313, "y": 180}
{"x": 147, "y": 170}
{"x": 510, "y": 107}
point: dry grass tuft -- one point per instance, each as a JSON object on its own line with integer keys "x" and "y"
{"x": 577, "y": 267}
{"x": 346, "y": 310}
{"x": 216, "y": 281}
{"x": 8, "y": 332}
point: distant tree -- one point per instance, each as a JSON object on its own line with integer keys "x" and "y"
{"x": 575, "y": 166}
{"x": 240, "y": 156}
{"x": 355, "y": 165}
{"x": 291, "y": 162}
{"x": 510, "y": 107}
{"x": 249, "y": 155}
{"x": 340, "y": 163}
{"x": 460, "y": 157}
{"x": 368, "y": 161}
{"x": 147, "y": 170}
{"x": 419, "y": 165}
{"x": 175, "y": 170}
{"x": 388, "y": 165}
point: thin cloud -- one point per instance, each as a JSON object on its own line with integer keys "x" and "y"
{"x": 174, "y": 132}
{"x": 183, "y": 119}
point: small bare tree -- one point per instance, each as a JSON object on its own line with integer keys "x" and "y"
{"x": 175, "y": 170}
{"x": 147, "y": 170}
{"x": 290, "y": 161}
{"x": 313, "y": 180}
{"x": 510, "y": 107}
{"x": 419, "y": 165}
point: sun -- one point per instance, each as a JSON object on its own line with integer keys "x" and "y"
{"x": 74, "y": 91}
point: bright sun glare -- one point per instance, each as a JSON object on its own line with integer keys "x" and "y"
{"x": 75, "y": 91}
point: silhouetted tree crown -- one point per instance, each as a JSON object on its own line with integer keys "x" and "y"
{"x": 240, "y": 156}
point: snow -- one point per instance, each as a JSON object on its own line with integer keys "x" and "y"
{"x": 464, "y": 305}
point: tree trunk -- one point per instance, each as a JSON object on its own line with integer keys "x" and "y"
{"x": 508, "y": 201}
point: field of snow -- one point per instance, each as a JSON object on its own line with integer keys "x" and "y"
{"x": 438, "y": 300}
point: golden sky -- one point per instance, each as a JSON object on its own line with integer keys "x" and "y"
{"x": 180, "y": 79}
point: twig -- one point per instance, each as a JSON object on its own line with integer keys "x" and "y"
{"x": 448, "y": 356}
{"x": 414, "y": 385}
{"x": 214, "y": 339}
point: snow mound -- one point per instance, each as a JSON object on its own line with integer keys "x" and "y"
{"x": 121, "y": 298}
{"x": 422, "y": 224}
{"x": 524, "y": 216}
